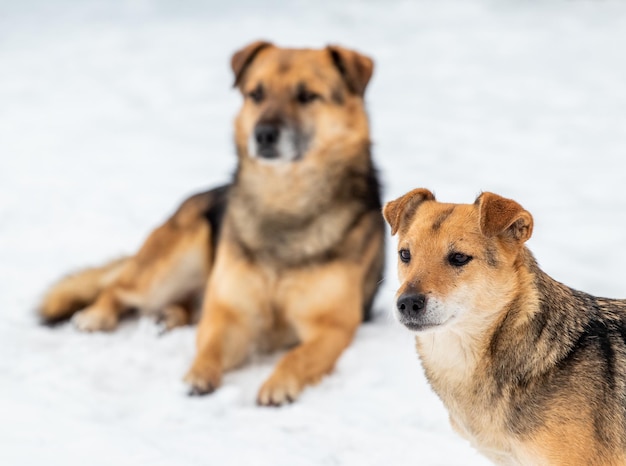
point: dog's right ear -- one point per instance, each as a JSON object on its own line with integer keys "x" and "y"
{"x": 504, "y": 217}
{"x": 400, "y": 211}
{"x": 355, "y": 69}
{"x": 244, "y": 57}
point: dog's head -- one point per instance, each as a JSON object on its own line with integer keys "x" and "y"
{"x": 299, "y": 102}
{"x": 456, "y": 262}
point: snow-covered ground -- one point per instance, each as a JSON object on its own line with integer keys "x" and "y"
{"x": 111, "y": 112}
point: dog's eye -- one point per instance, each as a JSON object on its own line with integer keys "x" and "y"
{"x": 458, "y": 259}
{"x": 405, "y": 255}
{"x": 257, "y": 95}
{"x": 305, "y": 97}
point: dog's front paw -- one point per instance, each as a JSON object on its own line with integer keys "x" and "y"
{"x": 93, "y": 320}
{"x": 202, "y": 380}
{"x": 279, "y": 389}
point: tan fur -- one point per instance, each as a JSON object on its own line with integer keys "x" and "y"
{"x": 300, "y": 254}
{"x": 300, "y": 247}
{"x": 75, "y": 291}
{"x": 164, "y": 278}
{"x": 531, "y": 371}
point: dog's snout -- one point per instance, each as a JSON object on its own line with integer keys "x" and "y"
{"x": 266, "y": 134}
{"x": 411, "y": 304}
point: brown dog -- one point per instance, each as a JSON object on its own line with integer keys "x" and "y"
{"x": 531, "y": 371}
{"x": 301, "y": 251}
{"x": 297, "y": 255}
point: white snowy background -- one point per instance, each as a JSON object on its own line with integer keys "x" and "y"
{"x": 111, "y": 112}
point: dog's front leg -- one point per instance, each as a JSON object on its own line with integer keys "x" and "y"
{"x": 223, "y": 342}
{"x": 304, "y": 365}
{"x": 325, "y": 308}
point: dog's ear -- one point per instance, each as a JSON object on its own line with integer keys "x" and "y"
{"x": 244, "y": 57}
{"x": 503, "y": 217}
{"x": 356, "y": 69}
{"x": 400, "y": 211}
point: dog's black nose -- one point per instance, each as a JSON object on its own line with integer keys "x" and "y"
{"x": 411, "y": 304}
{"x": 266, "y": 134}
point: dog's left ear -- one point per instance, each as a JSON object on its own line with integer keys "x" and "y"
{"x": 356, "y": 69}
{"x": 504, "y": 217}
{"x": 244, "y": 57}
{"x": 400, "y": 211}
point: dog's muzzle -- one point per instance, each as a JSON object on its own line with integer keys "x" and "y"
{"x": 411, "y": 311}
{"x": 419, "y": 312}
{"x": 275, "y": 142}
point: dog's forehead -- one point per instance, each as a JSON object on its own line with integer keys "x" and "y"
{"x": 301, "y": 64}
{"x": 441, "y": 221}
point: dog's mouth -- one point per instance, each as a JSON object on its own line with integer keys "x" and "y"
{"x": 418, "y": 327}
{"x": 268, "y": 153}
{"x": 424, "y": 324}
{"x": 275, "y": 144}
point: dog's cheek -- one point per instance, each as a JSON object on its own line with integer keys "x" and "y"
{"x": 354, "y": 114}
{"x": 328, "y": 124}
{"x": 241, "y": 141}
{"x": 244, "y": 126}
{"x": 309, "y": 126}
{"x": 302, "y": 140}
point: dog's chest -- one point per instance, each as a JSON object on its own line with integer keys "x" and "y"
{"x": 291, "y": 240}
{"x": 455, "y": 373}
{"x": 483, "y": 427}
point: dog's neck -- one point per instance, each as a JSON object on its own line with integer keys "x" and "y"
{"x": 279, "y": 209}
{"x": 305, "y": 187}
{"x": 450, "y": 356}
{"x": 545, "y": 311}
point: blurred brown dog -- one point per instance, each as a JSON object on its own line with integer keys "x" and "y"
{"x": 531, "y": 371}
{"x": 291, "y": 252}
